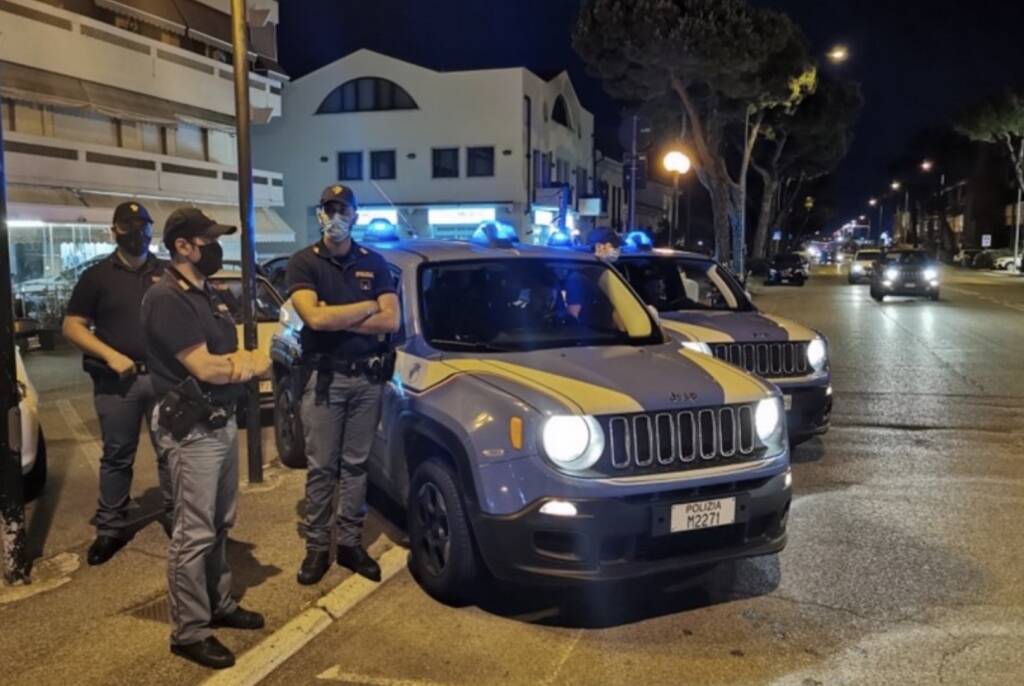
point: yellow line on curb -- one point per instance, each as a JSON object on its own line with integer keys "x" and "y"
{"x": 260, "y": 661}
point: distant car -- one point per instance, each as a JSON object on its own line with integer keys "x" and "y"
{"x": 1004, "y": 262}
{"x": 906, "y": 272}
{"x": 42, "y": 302}
{"x": 787, "y": 268}
{"x": 965, "y": 258}
{"x": 863, "y": 264}
{"x": 31, "y": 444}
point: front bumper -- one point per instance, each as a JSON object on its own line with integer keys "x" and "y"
{"x": 619, "y": 538}
{"x": 921, "y": 287}
{"x": 810, "y": 413}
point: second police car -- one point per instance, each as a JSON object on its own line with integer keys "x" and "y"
{"x": 540, "y": 446}
{"x": 708, "y": 309}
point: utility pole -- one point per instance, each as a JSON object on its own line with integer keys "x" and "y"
{"x": 240, "y": 44}
{"x": 1016, "y": 235}
{"x": 12, "y": 495}
{"x": 632, "y": 178}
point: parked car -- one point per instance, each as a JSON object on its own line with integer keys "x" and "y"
{"x": 965, "y": 258}
{"x": 707, "y": 309}
{"x": 535, "y": 445}
{"x": 787, "y": 268}
{"x": 1004, "y": 262}
{"x": 29, "y": 441}
{"x": 863, "y": 264}
{"x": 986, "y": 259}
{"x": 906, "y": 272}
{"x": 41, "y": 303}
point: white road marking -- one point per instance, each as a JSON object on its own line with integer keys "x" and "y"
{"x": 335, "y": 674}
{"x": 270, "y": 653}
{"x": 85, "y": 442}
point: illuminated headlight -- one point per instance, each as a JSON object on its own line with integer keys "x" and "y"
{"x": 891, "y": 274}
{"x": 839, "y": 259}
{"x": 788, "y": 482}
{"x": 558, "y": 508}
{"x": 573, "y": 442}
{"x": 697, "y": 347}
{"x": 858, "y": 269}
{"x": 768, "y": 419}
{"x": 817, "y": 354}
{"x": 931, "y": 274}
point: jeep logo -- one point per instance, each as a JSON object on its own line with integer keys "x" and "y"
{"x": 760, "y": 334}
{"x": 683, "y": 397}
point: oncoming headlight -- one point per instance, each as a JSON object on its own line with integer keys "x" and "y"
{"x": 931, "y": 274}
{"x": 858, "y": 268}
{"x": 697, "y": 347}
{"x": 573, "y": 442}
{"x": 768, "y": 419}
{"x": 891, "y": 274}
{"x": 817, "y": 354}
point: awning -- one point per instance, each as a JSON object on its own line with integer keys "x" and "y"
{"x": 269, "y": 67}
{"x": 53, "y": 205}
{"x": 161, "y": 13}
{"x": 206, "y": 24}
{"x": 20, "y": 82}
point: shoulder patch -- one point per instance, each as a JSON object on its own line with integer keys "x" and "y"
{"x": 364, "y": 275}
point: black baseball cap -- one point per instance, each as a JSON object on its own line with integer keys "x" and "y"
{"x": 192, "y": 222}
{"x": 603, "y": 234}
{"x": 126, "y": 212}
{"x": 338, "y": 193}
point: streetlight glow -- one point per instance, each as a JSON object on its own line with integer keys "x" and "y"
{"x": 677, "y": 162}
{"x": 895, "y": 185}
{"x": 927, "y": 165}
{"x": 872, "y": 202}
{"x": 838, "y": 54}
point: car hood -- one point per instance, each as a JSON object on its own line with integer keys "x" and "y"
{"x": 734, "y": 327}
{"x": 596, "y": 380}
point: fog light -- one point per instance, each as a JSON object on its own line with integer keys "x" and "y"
{"x": 789, "y": 478}
{"x": 935, "y": 284}
{"x": 887, "y": 283}
{"x": 558, "y": 508}
{"x": 828, "y": 391}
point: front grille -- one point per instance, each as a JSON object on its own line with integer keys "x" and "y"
{"x": 770, "y": 360}
{"x": 674, "y": 441}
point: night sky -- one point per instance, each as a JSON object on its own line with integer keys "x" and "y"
{"x": 919, "y": 61}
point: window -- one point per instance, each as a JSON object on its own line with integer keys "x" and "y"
{"x": 480, "y": 161}
{"x": 350, "y": 166}
{"x": 446, "y": 163}
{"x": 382, "y": 164}
{"x": 560, "y": 113}
{"x": 367, "y": 95}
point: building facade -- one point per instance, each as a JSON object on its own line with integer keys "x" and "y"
{"x": 109, "y": 100}
{"x": 653, "y": 199}
{"x": 435, "y": 153}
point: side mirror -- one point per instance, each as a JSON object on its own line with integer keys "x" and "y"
{"x": 654, "y": 313}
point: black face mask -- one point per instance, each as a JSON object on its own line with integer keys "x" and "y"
{"x": 211, "y": 259}
{"x": 133, "y": 243}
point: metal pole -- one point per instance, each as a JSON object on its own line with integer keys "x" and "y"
{"x": 632, "y": 179}
{"x": 12, "y": 495}
{"x": 240, "y": 40}
{"x": 1016, "y": 236}
{"x": 674, "y": 224}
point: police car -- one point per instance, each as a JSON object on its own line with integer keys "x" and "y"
{"x": 704, "y": 306}
{"x": 29, "y": 441}
{"x": 540, "y": 446}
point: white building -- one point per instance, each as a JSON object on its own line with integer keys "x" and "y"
{"x": 106, "y": 100}
{"x": 434, "y": 152}
{"x": 653, "y": 198}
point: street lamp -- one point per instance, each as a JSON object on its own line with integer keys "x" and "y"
{"x": 872, "y": 202}
{"x": 677, "y": 163}
{"x": 895, "y": 185}
{"x": 927, "y": 165}
{"x": 838, "y": 54}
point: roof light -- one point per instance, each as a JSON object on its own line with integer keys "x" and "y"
{"x": 495, "y": 234}
{"x": 381, "y": 231}
{"x": 637, "y": 240}
{"x": 559, "y": 239}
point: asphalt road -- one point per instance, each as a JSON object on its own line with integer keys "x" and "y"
{"x": 905, "y": 556}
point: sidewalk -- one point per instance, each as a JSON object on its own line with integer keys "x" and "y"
{"x": 108, "y": 624}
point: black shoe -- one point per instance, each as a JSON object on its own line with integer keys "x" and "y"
{"x": 314, "y": 567}
{"x": 240, "y": 618}
{"x": 359, "y": 561}
{"x": 208, "y": 652}
{"x": 104, "y": 548}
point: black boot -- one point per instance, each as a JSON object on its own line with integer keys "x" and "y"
{"x": 239, "y": 618}
{"x": 314, "y": 567}
{"x": 104, "y": 548}
{"x": 359, "y": 561}
{"x": 208, "y": 652}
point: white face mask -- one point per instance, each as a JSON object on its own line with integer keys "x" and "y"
{"x": 337, "y": 228}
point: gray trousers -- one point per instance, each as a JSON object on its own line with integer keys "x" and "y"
{"x": 204, "y": 472}
{"x": 339, "y": 435}
{"x": 122, "y": 408}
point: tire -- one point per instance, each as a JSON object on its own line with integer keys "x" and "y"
{"x": 443, "y": 557}
{"x": 35, "y": 481}
{"x": 878, "y": 297}
{"x": 288, "y": 436}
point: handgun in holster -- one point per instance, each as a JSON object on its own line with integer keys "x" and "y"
{"x": 186, "y": 406}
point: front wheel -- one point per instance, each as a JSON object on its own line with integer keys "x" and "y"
{"x": 877, "y": 295}
{"x": 291, "y": 444}
{"x": 443, "y": 557}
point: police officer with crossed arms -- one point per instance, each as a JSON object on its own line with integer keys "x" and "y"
{"x": 346, "y": 298}
{"x": 198, "y": 372}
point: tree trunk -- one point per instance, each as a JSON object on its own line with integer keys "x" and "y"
{"x": 764, "y": 218}
{"x": 720, "y": 208}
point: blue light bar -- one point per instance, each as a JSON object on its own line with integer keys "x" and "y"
{"x": 495, "y": 234}
{"x": 381, "y": 231}
{"x": 637, "y": 241}
{"x": 559, "y": 239}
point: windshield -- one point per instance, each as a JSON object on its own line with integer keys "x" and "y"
{"x": 866, "y": 255}
{"x": 530, "y": 304}
{"x": 909, "y": 258}
{"x": 684, "y": 284}
{"x": 268, "y": 305}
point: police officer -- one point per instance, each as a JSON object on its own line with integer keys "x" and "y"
{"x": 346, "y": 298}
{"x": 197, "y": 374}
{"x": 103, "y": 321}
{"x": 583, "y": 297}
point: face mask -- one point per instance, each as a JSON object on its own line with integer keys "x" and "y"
{"x": 337, "y": 228}
{"x": 612, "y": 255}
{"x": 211, "y": 259}
{"x": 133, "y": 243}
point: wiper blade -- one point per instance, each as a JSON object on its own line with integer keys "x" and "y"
{"x": 478, "y": 346}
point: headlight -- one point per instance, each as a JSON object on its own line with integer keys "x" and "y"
{"x": 572, "y": 441}
{"x": 697, "y": 347}
{"x": 857, "y": 268}
{"x": 816, "y": 354}
{"x": 931, "y": 274}
{"x": 767, "y": 419}
{"x": 891, "y": 273}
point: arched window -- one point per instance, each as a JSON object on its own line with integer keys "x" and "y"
{"x": 367, "y": 95}
{"x": 560, "y": 113}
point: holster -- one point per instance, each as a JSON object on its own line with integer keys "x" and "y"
{"x": 186, "y": 406}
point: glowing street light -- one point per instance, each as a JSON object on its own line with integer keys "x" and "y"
{"x": 677, "y": 163}
{"x": 895, "y": 185}
{"x": 927, "y": 165}
{"x": 838, "y": 54}
{"x": 873, "y": 202}
{"x": 863, "y": 217}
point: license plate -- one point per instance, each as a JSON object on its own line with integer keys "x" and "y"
{"x": 787, "y": 402}
{"x": 910, "y": 284}
{"x": 266, "y": 386}
{"x": 703, "y": 515}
